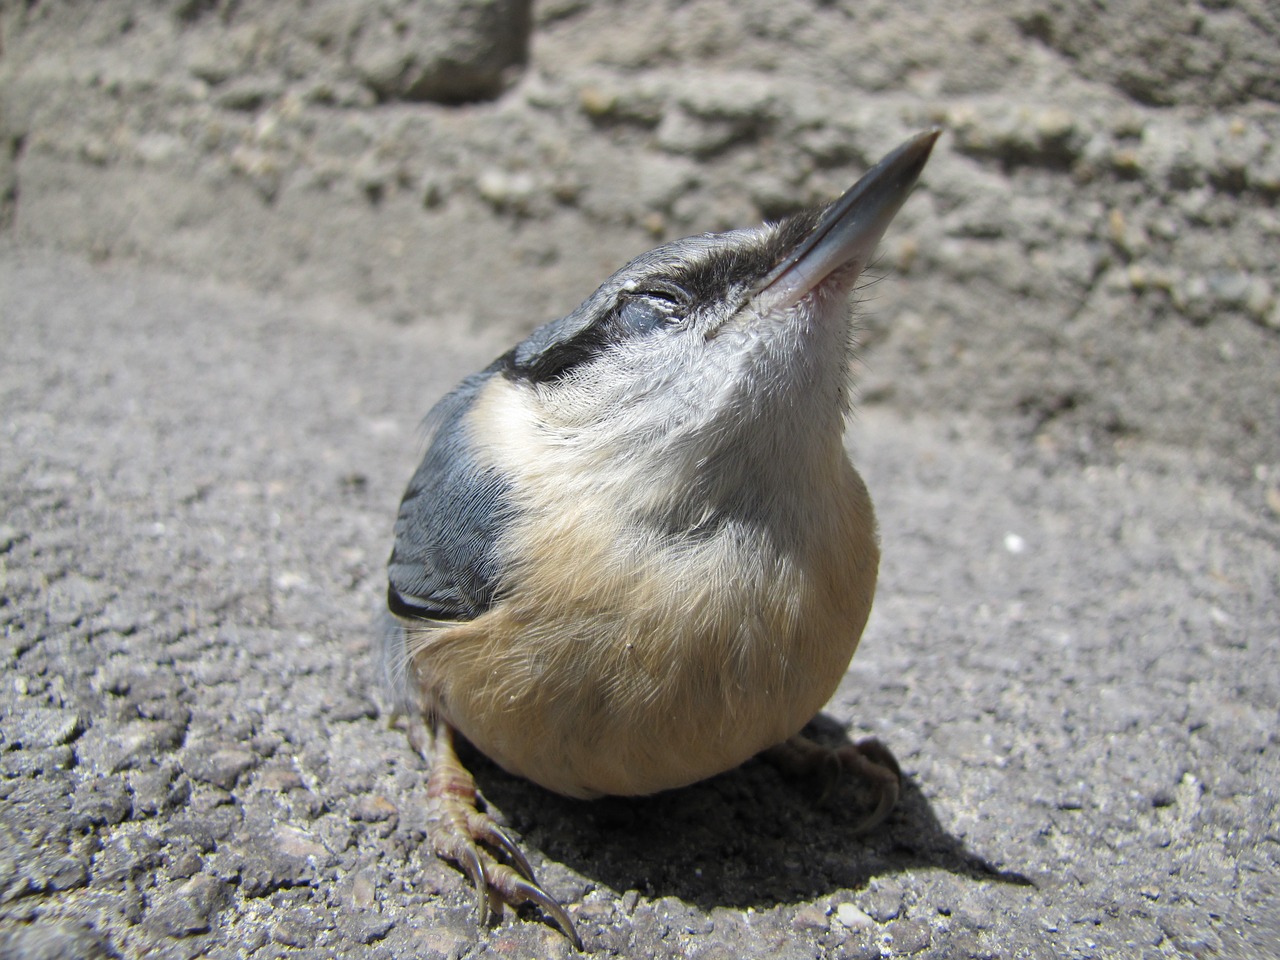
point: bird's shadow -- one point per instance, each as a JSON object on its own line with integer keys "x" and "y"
{"x": 746, "y": 838}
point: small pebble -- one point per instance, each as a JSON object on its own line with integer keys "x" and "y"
{"x": 852, "y": 917}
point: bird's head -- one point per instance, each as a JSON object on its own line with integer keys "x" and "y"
{"x": 727, "y": 349}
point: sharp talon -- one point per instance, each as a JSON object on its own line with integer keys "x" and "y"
{"x": 474, "y": 869}
{"x": 871, "y": 760}
{"x": 485, "y": 829}
{"x": 888, "y": 799}
{"x": 528, "y": 892}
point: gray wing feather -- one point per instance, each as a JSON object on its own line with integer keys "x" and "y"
{"x": 444, "y": 564}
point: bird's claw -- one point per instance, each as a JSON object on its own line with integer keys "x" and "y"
{"x": 463, "y": 833}
{"x": 526, "y": 890}
{"x": 869, "y": 760}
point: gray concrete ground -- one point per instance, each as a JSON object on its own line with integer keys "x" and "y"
{"x": 1075, "y": 664}
{"x": 243, "y": 247}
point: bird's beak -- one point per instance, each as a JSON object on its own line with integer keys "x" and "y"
{"x": 849, "y": 231}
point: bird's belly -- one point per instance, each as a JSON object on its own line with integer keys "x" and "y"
{"x": 695, "y": 721}
{"x": 658, "y": 681}
{"x": 623, "y": 730}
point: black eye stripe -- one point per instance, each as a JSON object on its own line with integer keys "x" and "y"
{"x": 635, "y": 315}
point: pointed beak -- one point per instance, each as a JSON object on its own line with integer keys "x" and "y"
{"x": 850, "y": 229}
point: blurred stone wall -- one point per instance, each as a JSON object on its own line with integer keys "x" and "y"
{"x": 1090, "y": 263}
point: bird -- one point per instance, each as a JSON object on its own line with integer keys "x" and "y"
{"x": 635, "y": 553}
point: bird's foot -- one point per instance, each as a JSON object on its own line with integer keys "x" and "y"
{"x": 464, "y": 833}
{"x": 869, "y": 760}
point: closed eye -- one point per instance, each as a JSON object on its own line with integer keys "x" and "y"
{"x": 636, "y": 314}
{"x": 644, "y": 311}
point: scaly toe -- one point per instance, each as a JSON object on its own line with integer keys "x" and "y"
{"x": 460, "y": 831}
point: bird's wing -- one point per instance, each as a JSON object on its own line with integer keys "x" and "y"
{"x": 444, "y": 564}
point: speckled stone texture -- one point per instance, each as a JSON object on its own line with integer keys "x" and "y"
{"x": 238, "y": 264}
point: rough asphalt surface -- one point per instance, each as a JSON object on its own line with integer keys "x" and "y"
{"x": 1075, "y": 665}
{"x": 244, "y": 247}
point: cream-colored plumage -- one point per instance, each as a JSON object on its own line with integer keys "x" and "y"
{"x": 667, "y": 660}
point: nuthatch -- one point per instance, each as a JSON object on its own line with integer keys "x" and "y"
{"x": 635, "y": 553}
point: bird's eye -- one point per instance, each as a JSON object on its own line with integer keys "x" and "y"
{"x": 647, "y": 310}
